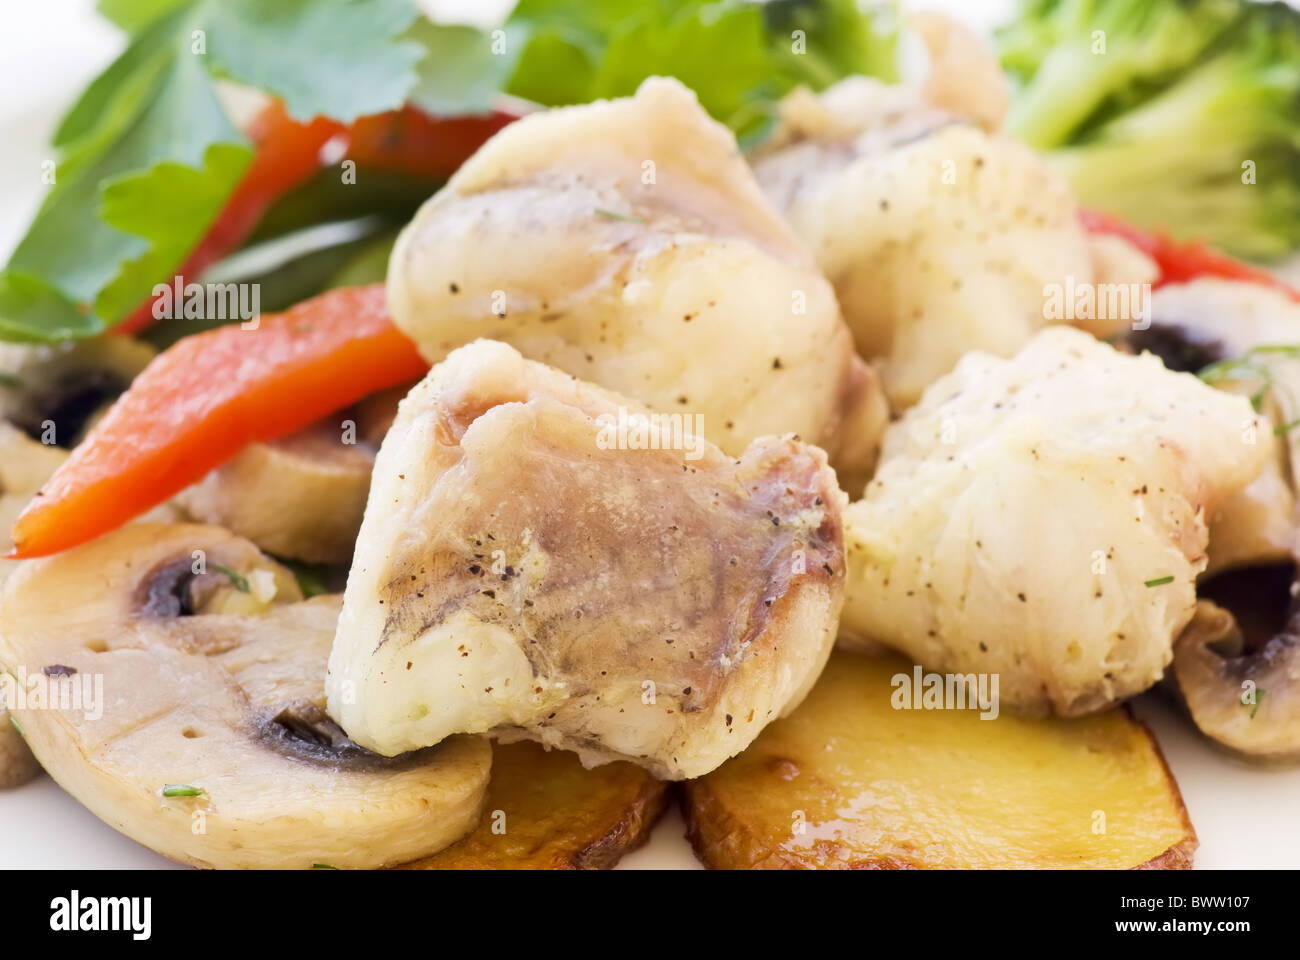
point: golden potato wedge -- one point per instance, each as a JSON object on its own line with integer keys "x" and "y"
{"x": 555, "y": 814}
{"x": 847, "y": 781}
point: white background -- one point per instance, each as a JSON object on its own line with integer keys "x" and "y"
{"x": 48, "y": 51}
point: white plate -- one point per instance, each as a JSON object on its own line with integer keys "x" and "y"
{"x": 48, "y": 51}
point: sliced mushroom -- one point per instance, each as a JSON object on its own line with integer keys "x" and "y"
{"x": 1245, "y": 698}
{"x": 53, "y": 393}
{"x": 300, "y": 496}
{"x": 24, "y": 466}
{"x": 525, "y": 570}
{"x": 213, "y": 747}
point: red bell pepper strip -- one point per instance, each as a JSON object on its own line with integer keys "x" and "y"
{"x": 1181, "y": 262}
{"x": 201, "y": 401}
{"x": 288, "y": 153}
{"x": 414, "y": 142}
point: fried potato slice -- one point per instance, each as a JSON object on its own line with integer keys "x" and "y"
{"x": 545, "y": 812}
{"x": 847, "y": 781}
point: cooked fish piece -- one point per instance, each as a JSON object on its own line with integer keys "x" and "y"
{"x": 939, "y": 238}
{"x": 1045, "y": 518}
{"x": 625, "y": 242}
{"x": 524, "y": 569}
{"x": 1253, "y": 333}
{"x": 198, "y": 729}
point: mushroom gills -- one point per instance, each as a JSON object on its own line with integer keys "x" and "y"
{"x": 209, "y": 742}
{"x": 54, "y": 393}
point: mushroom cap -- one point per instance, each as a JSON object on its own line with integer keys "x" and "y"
{"x": 25, "y": 464}
{"x": 228, "y": 704}
{"x": 67, "y": 383}
{"x": 1248, "y": 701}
{"x": 300, "y": 496}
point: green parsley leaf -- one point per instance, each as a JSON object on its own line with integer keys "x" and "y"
{"x": 47, "y": 315}
{"x": 738, "y": 57}
{"x": 133, "y": 15}
{"x": 182, "y": 790}
{"x": 194, "y": 197}
{"x": 718, "y": 50}
{"x": 459, "y": 72}
{"x": 1159, "y": 581}
{"x": 322, "y": 866}
{"x": 149, "y": 157}
{"x": 336, "y": 58}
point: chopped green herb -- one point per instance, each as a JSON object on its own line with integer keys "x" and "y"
{"x": 611, "y": 215}
{"x": 17, "y": 726}
{"x": 1259, "y": 695}
{"x": 1159, "y": 581}
{"x": 238, "y": 581}
{"x": 182, "y": 790}
{"x": 10, "y": 382}
{"x": 1284, "y": 428}
{"x": 1244, "y": 368}
{"x": 322, "y": 866}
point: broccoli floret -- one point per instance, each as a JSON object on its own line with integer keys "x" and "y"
{"x": 1077, "y": 59}
{"x": 1210, "y": 151}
